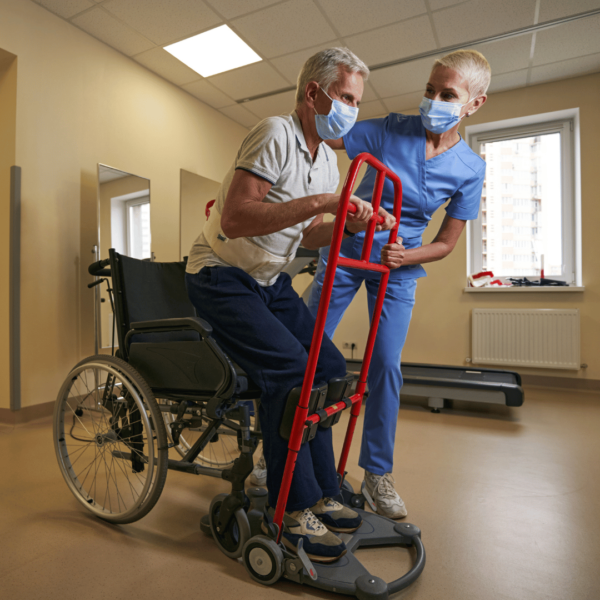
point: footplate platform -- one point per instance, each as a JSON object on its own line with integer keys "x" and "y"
{"x": 349, "y": 576}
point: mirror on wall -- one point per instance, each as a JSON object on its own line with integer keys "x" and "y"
{"x": 124, "y": 224}
{"x": 195, "y": 193}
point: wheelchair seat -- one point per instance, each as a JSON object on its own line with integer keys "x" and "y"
{"x": 160, "y": 335}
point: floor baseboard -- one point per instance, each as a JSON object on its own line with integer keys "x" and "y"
{"x": 26, "y": 414}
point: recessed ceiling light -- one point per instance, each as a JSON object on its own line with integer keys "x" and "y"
{"x": 214, "y": 51}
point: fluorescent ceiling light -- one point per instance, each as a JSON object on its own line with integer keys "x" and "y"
{"x": 214, "y": 51}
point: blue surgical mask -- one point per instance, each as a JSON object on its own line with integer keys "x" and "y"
{"x": 338, "y": 122}
{"x": 439, "y": 117}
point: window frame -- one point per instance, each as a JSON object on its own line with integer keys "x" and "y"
{"x": 127, "y": 204}
{"x": 567, "y": 123}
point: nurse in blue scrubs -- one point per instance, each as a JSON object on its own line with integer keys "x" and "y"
{"x": 436, "y": 168}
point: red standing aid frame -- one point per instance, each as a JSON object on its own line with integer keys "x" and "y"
{"x": 301, "y": 418}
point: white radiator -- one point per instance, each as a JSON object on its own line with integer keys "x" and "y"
{"x": 542, "y": 338}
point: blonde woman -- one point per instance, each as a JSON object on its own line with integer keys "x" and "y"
{"x": 435, "y": 165}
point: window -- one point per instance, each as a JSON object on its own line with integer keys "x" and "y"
{"x": 138, "y": 228}
{"x": 537, "y": 197}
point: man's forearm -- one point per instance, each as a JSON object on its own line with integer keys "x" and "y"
{"x": 319, "y": 236}
{"x": 253, "y": 218}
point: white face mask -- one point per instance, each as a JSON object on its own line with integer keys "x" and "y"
{"x": 338, "y": 122}
{"x": 438, "y": 116}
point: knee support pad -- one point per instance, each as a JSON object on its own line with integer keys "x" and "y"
{"x": 315, "y": 402}
{"x": 338, "y": 389}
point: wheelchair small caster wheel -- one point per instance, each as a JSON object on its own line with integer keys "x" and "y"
{"x": 263, "y": 559}
{"x": 205, "y": 525}
{"x": 231, "y": 540}
{"x": 79, "y": 412}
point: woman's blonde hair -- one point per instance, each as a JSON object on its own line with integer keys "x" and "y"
{"x": 472, "y": 65}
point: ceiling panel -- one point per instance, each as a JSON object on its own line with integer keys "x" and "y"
{"x": 167, "y": 66}
{"x": 280, "y": 104}
{"x": 235, "y": 8}
{"x": 438, "y": 4}
{"x": 242, "y": 116}
{"x": 566, "y": 68}
{"x": 109, "y": 30}
{"x": 402, "y": 79}
{"x": 284, "y": 28}
{"x": 578, "y": 38}
{"x": 290, "y": 64}
{"x": 353, "y": 16}
{"x": 404, "y": 102}
{"x": 555, "y": 9}
{"x": 368, "y": 110}
{"x": 507, "y": 55}
{"x": 164, "y": 21}
{"x": 251, "y": 80}
{"x": 394, "y": 41}
{"x": 508, "y": 81}
{"x": 209, "y": 94}
{"x": 65, "y": 8}
{"x": 482, "y": 18}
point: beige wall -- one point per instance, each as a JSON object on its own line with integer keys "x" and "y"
{"x": 8, "y": 115}
{"x": 441, "y": 326}
{"x": 196, "y": 193}
{"x": 79, "y": 103}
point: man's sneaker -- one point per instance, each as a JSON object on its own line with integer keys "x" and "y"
{"x": 336, "y": 516}
{"x": 320, "y": 544}
{"x": 259, "y": 473}
{"x": 386, "y": 498}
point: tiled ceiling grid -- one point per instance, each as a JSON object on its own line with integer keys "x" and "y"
{"x": 286, "y": 32}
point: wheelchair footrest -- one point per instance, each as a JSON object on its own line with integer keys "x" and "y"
{"x": 315, "y": 402}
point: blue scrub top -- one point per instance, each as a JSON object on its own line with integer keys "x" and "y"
{"x": 398, "y": 141}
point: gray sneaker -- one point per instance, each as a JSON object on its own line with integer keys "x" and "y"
{"x": 386, "y": 498}
{"x": 259, "y": 473}
{"x": 320, "y": 544}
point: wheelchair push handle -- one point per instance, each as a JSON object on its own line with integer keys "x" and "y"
{"x": 97, "y": 268}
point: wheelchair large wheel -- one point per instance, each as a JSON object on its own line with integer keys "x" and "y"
{"x": 218, "y": 453}
{"x": 231, "y": 540}
{"x": 110, "y": 439}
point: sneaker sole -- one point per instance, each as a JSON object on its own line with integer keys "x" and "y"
{"x": 313, "y": 558}
{"x": 340, "y": 529}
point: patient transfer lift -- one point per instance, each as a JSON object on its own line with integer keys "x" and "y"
{"x": 264, "y": 557}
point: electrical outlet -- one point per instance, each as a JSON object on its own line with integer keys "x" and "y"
{"x": 349, "y": 345}
{"x": 346, "y": 345}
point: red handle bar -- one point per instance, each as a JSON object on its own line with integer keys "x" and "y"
{"x": 352, "y": 209}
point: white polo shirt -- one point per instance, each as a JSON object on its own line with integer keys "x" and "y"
{"x": 276, "y": 151}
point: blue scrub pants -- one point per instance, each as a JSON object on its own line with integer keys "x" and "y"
{"x": 384, "y": 378}
{"x": 267, "y": 331}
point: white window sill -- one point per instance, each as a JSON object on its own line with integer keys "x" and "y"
{"x": 523, "y": 290}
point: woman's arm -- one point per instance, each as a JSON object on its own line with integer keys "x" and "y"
{"x": 395, "y": 255}
{"x": 440, "y": 247}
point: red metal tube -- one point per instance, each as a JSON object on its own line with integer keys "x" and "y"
{"x": 301, "y": 414}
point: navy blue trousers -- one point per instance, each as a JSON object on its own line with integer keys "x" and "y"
{"x": 267, "y": 331}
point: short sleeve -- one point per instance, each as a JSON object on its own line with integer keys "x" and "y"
{"x": 464, "y": 205}
{"x": 265, "y": 149}
{"x": 366, "y": 136}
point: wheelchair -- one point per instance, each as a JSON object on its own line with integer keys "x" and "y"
{"x": 170, "y": 386}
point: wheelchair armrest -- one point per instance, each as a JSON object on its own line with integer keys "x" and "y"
{"x": 162, "y": 325}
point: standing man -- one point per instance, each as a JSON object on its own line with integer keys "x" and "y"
{"x": 273, "y": 198}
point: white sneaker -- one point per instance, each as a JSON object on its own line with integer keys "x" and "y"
{"x": 386, "y": 498}
{"x": 259, "y": 473}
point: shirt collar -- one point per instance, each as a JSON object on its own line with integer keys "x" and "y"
{"x": 301, "y": 141}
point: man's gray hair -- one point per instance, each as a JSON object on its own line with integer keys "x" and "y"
{"x": 324, "y": 68}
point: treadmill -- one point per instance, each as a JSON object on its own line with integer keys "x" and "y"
{"x": 438, "y": 383}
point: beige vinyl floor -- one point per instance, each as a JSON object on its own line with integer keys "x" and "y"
{"x": 508, "y": 501}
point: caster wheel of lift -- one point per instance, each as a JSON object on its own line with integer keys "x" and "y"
{"x": 231, "y": 541}
{"x": 357, "y": 501}
{"x": 263, "y": 559}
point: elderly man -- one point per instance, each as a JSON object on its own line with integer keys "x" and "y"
{"x": 273, "y": 198}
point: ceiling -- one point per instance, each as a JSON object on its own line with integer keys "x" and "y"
{"x": 286, "y": 32}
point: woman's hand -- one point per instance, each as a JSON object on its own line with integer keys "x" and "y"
{"x": 392, "y": 255}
